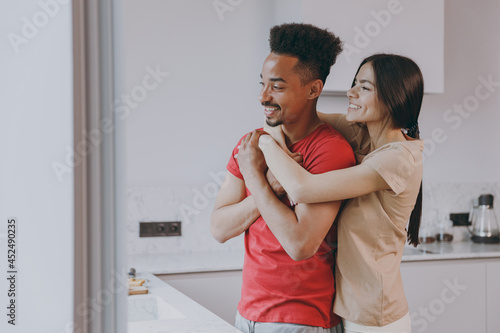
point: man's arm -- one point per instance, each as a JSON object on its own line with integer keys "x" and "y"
{"x": 234, "y": 212}
{"x": 300, "y": 232}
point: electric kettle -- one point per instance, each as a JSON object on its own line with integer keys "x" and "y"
{"x": 484, "y": 225}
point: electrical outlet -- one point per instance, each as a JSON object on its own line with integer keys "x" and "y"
{"x": 460, "y": 219}
{"x": 159, "y": 229}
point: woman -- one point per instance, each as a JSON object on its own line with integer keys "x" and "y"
{"x": 385, "y": 189}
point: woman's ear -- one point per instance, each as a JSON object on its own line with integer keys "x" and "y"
{"x": 316, "y": 89}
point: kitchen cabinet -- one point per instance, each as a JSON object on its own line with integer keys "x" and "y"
{"x": 411, "y": 28}
{"x": 219, "y": 292}
{"x": 443, "y": 295}
{"x": 493, "y": 297}
{"x": 451, "y": 295}
{"x": 165, "y": 309}
{"x": 450, "y": 287}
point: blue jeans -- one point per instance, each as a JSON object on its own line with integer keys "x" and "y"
{"x": 248, "y": 326}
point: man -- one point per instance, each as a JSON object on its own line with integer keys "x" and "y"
{"x": 288, "y": 283}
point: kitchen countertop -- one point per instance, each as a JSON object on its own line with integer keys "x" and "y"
{"x": 184, "y": 314}
{"x": 226, "y": 261}
{"x": 172, "y": 263}
{"x": 449, "y": 251}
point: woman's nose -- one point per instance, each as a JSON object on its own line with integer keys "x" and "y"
{"x": 351, "y": 92}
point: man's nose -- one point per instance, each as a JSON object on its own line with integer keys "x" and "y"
{"x": 264, "y": 95}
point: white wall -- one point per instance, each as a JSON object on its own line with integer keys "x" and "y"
{"x": 188, "y": 125}
{"x": 468, "y": 150}
{"x": 35, "y": 130}
{"x": 184, "y": 129}
{"x": 472, "y": 151}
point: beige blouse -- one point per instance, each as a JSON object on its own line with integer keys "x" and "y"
{"x": 372, "y": 234}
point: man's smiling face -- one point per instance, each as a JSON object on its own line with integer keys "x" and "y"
{"x": 283, "y": 94}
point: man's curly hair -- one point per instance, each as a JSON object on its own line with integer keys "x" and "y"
{"x": 317, "y": 49}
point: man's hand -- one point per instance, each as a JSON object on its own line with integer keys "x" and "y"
{"x": 250, "y": 158}
{"x": 252, "y": 162}
{"x": 275, "y": 185}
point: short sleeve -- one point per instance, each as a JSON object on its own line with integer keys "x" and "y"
{"x": 233, "y": 166}
{"x": 357, "y": 136}
{"x": 331, "y": 154}
{"x": 395, "y": 164}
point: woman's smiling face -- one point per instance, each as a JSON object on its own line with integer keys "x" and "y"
{"x": 364, "y": 106}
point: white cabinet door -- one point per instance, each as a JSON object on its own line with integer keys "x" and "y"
{"x": 446, "y": 295}
{"x": 411, "y": 28}
{"x": 493, "y": 296}
{"x": 219, "y": 292}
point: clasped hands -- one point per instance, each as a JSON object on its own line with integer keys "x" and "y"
{"x": 251, "y": 159}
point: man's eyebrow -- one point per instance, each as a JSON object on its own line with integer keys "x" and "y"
{"x": 275, "y": 79}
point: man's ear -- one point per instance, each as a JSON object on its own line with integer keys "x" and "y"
{"x": 316, "y": 89}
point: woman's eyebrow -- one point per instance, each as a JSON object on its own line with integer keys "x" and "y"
{"x": 366, "y": 81}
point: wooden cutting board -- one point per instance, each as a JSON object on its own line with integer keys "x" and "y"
{"x": 137, "y": 290}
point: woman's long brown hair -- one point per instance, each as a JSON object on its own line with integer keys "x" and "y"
{"x": 400, "y": 87}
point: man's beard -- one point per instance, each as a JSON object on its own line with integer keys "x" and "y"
{"x": 273, "y": 123}
{"x": 269, "y": 122}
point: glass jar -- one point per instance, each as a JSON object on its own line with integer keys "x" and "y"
{"x": 444, "y": 231}
{"x": 427, "y": 234}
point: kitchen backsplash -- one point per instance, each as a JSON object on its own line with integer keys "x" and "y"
{"x": 193, "y": 208}
{"x": 441, "y": 199}
{"x": 161, "y": 204}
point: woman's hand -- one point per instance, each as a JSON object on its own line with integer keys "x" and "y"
{"x": 276, "y": 132}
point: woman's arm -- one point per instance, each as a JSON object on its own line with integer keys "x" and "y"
{"x": 304, "y": 187}
{"x": 329, "y": 118}
{"x": 301, "y": 230}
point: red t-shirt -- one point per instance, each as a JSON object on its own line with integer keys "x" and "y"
{"x": 275, "y": 287}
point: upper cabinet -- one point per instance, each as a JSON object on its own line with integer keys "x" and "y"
{"x": 411, "y": 28}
